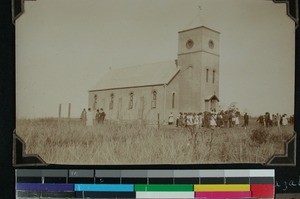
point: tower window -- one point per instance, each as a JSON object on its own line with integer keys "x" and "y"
{"x": 95, "y": 102}
{"x": 173, "y": 100}
{"x": 154, "y": 97}
{"x": 206, "y": 75}
{"x": 111, "y": 103}
{"x": 131, "y": 100}
{"x": 213, "y": 80}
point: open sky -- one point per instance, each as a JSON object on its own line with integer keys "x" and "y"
{"x": 63, "y": 47}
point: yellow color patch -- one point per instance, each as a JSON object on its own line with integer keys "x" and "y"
{"x": 221, "y": 187}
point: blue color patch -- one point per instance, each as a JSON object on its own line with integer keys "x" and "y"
{"x": 105, "y": 187}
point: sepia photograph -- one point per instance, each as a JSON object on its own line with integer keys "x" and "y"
{"x": 122, "y": 82}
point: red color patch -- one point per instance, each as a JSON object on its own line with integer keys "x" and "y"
{"x": 262, "y": 190}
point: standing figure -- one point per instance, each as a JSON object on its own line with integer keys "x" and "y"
{"x": 184, "y": 124}
{"x": 89, "y": 118}
{"x": 267, "y": 119}
{"x": 102, "y": 115}
{"x": 271, "y": 120}
{"x": 196, "y": 121}
{"x": 83, "y": 116}
{"x": 226, "y": 119}
{"x": 207, "y": 118}
{"x": 237, "y": 120}
{"x": 213, "y": 119}
{"x": 180, "y": 122}
{"x": 274, "y": 120}
{"x": 292, "y": 119}
{"x": 246, "y": 120}
{"x": 284, "y": 120}
{"x": 177, "y": 120}
{"x": 260, "y": 120}
{"x": 230, "y": 119}
{"x": 200, "y": 119}
{"x": 190, "y": 124}
{"x": 278, "y": 119}
{"x": 219, "y": 120}
{"x": 98, "y": 116}
{"x": 171, "y": 119}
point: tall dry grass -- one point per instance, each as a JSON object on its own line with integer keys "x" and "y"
{"x": 113, "y": 143}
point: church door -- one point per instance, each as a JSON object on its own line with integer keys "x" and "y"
{"x": 213, "y": 104}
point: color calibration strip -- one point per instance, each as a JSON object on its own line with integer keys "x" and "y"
{"x": 206, "y": 184}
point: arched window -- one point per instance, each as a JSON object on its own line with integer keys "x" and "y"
{"x": 206, "y": 75}
{"x": 95, "y": 102}
{"x": 154, "y": 97}
{"x": 131, "y": 100}
{"x": 173, "y": 100}
{"x": 111, "y": 103}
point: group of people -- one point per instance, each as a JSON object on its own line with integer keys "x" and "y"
{"x": 89, "y": 118}
{"x": 269, "y": 120}
{"x": 227, "y": 119}
{"x": 208, "y": 119}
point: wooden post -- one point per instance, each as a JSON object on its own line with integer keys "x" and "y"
{"x": 59, "y": 112}
{"x": 59, "y": 116}
{"x": 69, "y": 113}
{"x": 158, "y": 120}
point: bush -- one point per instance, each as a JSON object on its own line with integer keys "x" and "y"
{"x": 259, "y": 136}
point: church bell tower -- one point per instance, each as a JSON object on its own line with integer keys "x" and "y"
{"x": 198, "y": 58}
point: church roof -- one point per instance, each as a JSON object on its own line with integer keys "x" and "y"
{"x": 212, "y": 97}
{"x": 136, "y": 76}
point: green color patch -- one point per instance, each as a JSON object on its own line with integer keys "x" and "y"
{"x": 164, "y": 187}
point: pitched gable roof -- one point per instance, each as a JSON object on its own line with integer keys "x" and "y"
{"x": 142, "y": 75}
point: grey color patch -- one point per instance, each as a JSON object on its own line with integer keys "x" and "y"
{"x": 237, "y": 173}
{"x": 81, "y": 173}
{"x": 134, "y": 173}
{"x": 212, "y": 173}
{"x": 187, "y": 173}
{"x": 28, "y": 173}
{"x": 108, "y": 173}
{"x": 54, "y": 173}
{"x": 161, "y": 173}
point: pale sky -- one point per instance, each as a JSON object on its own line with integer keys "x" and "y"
{"x": 63, "y": 47}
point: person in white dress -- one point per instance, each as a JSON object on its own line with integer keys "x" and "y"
{"x": 213, "y": 120}
{"x": 237, "y": 120}
{"x": 284, "y": 120}
{"x": 171, "y": 119}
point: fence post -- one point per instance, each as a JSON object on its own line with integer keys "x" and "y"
{"x": 59, "y": 116}
{"x": 59, "y": 112}
{"x": 69, "y": 113}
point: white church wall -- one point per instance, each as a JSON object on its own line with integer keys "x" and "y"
{"x": 142, "y": 103}
{"x": 208, "y": 88}
{"x": 190, "y": 82}
{"x": 172, "y": 87}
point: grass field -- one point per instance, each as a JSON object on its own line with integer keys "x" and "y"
{"x": 113, "y": 143}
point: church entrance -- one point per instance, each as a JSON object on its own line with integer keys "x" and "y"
{"x": 211, "y": 103}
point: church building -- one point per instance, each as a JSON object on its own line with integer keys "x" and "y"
{"x": 188, "y": 84}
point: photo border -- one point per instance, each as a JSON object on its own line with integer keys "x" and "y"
{"x": 283, "y": 173}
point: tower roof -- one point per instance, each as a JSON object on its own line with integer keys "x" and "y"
{"x": 203, "y": 27}
{"x": 136, "y": 76}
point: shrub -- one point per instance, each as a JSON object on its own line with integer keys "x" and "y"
{"x": 259, "y": 136}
